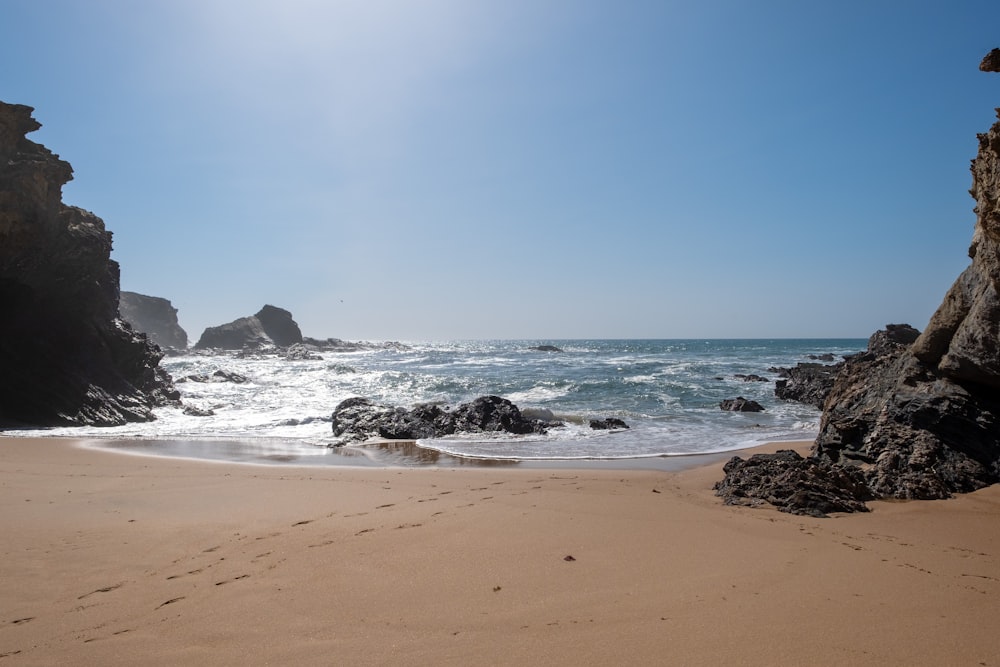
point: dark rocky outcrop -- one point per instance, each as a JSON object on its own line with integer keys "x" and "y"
{"x": 752, "y": 377}
{"x": 607, "y": 424}
{"x": 154, "y": 316}
{"x": 66, "y": 356}
{"x": 356, "y": 419}
{"x": 808, "y": 383}
{"x": 545, "y": 348}
{"x": 918, "y": 415}
{"x": 740, "y": 404}
{"x": 793, "y": 484}
{"x": 270, "y": 327}
{"x": 218, "y": 376}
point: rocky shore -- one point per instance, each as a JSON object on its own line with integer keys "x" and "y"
{"x": 916, "y": 416}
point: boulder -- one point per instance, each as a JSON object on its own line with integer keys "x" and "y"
{"x": 66, "y": 355}
{"x": 740, "y": 404}
{"x": 356, "y": 419}
{"x": 607, "y": 424}
{"x": 752, "y": 377}
{"x": 545, "y": 348}
{"x": 154, "y": 316}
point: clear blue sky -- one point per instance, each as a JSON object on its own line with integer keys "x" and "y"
{"x": 520, "y": 168}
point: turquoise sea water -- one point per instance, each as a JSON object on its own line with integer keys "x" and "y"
{"x": 668, "y": 391}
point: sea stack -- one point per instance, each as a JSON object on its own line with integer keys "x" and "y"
{"x": 270, "y": 326}
{"x": 66, "y": 357}
{"x": 918, "y": 415}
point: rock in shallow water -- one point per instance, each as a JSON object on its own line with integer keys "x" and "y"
{"x": 357, "y": 419}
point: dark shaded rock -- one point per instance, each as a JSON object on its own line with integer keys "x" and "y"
{"x": 66, "y": 356}
{"x": 491, "y": 413}
{"x": 198, "y": 412}
{"x": 607, "y": 424}
{"x": 826, "y": 356}
{"x": 359, "y": 419}
{"x": 271, "y": 326}
{"x": 218, "y": 376}
{"x": 991, "y": 62}
{"x": 808, "y": 383}
{"x": 740, "y": 404}
{"x": 752, "y": 377}
{"x": 917, "y": 434}
{"x": 279, "y": 326}
{"x": 545, "y": 348}
{"x": 155, "y": 317}
{"x": 793, "y": 484}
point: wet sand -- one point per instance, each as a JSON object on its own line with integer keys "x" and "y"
{"x": 119, "y": 560}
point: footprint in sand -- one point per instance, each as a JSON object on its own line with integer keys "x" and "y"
{"x": 170, "y": 601}
{"x": 106, "y": 589}
{"x": 229, "y": 581}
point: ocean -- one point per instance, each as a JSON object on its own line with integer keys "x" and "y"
{"x": 667, "y": 391}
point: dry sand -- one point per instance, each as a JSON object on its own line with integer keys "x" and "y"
{"x": 109, "y": 559}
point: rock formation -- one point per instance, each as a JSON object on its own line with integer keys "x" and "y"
{"x": 919, "y": 415}
{"x": 357, "y": 419}
{"x": 66, "y": 357}
{"x": 808, "y": 383}
{"x": 271, "y": 326}
{"x": 740, "y": 404}
{"x": 155, "y": 317}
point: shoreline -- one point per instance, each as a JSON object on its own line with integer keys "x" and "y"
{"x": 111, "y": 559}
{"x": 384, "y": 453}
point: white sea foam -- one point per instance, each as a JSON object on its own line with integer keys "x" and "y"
{"x": 667, "y": 391}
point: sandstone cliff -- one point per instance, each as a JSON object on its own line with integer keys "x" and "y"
{"x": 65, "y": 355}
{"x": 154, "y": 316}
{"x": 917, "y": 415}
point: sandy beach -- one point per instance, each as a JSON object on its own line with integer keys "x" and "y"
{"x": 119, "y": 560}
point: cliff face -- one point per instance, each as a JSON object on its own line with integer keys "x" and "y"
{"x": 917, "y": 416}
{"x": 924, "y": 419}
{"x": 155, "y": 317}
{"x": 65, "y": 355}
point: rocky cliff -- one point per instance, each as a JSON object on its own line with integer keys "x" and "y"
{"x": 917, "y": 415}
{"x": 65, "y": 355}
{"x": 154, "y": 316}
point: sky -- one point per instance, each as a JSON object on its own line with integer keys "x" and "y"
{"x": 541, "y": 169}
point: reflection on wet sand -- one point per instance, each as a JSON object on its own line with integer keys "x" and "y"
{"x": 373, "y": 453}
